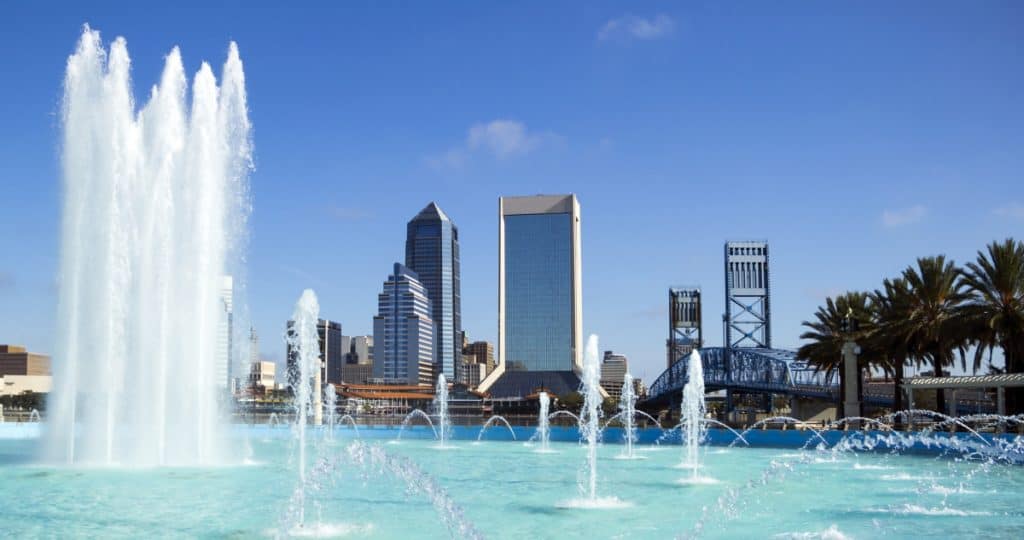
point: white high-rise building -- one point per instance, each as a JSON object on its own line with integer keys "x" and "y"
{"x": 222, "y": 370}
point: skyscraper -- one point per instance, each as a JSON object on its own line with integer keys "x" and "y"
{"x": 331, "y": 354}
{"x": 540, "y": 310}
{"x": 403, "y": 331}
{"x": 432, "y": 251}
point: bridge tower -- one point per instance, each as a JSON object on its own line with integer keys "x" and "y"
{"x": 747, "y": 318}
{"x": 747, "y": 295}
{"x": 684, "y": 323}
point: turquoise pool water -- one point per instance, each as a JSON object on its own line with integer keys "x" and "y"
{"x": 507, "y": 489}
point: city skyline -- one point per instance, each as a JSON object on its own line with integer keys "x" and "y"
{"x": 852, "y": 158}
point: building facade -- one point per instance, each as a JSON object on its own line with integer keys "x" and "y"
{"x": 540, "y": 307}
{"x": 403, "y": 331}
{"x": 262, "y": 375}
{"x": 331, "y": 355}
{"x": 482, "y": 351}
{"x": 15, "y": 360}
{"x": 432, "y": 251}
{"x": 613, "y": 373}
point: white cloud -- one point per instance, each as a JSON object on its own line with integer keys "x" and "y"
{"x": 904, "y": 216}
{"x": 633, "y": 27}
{"x": 1013, "y": 210}
{"x": 500, "y": 138}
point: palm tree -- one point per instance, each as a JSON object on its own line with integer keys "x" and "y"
{"x": 826, "y": 337}
{"x": 891, "y": 307}
{"x": 932, "y": 325}
{"x": 994, "y": 313}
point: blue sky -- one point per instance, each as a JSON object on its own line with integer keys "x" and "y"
{"x": 854, "y": 136}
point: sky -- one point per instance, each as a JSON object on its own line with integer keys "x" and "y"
{"x": 853, "y": 136}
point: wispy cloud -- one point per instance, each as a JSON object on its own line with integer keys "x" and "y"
{"x": 634, "y": 27}
{"x": 345, "y": 213}
{"x": 502, "y": 139}
{"x": 1014, "y": 210}
{"x": 904, "y": 216}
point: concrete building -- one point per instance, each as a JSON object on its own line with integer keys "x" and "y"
{"x": 472, "y": 373}
{"x": 15, "y": 360}
{"x": 540, "y": 307}
{"x": 262, "y": 374}
{"x": 403, "y": 331}
{"x": 432, "y": 251}
{"x": 482, "y": 351}
{"x": 613, "y": 373}
{"x": 360, "y": 350}
{"x": 23, "y": 371}
{"x": 356, "y": 373}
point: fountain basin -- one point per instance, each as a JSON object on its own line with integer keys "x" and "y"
{"x": 780, "y": 491}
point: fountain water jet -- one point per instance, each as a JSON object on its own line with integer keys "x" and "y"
{"x": 692, "y": 412}
{"x": 408, "y": 418}
{"x": 154, "y": 207}
{"x": 441, "y": 407}
{"x": 493, "y": 420}
{"x": 627, "y": 411}
{"x": 590, "y": 424}
{"x": 331, "y": 404}
{"x": 304, "y": 375}
{"x": 543, "y": 427}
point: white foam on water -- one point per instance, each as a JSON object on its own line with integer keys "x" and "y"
{"x": 331, "y": 530}
{"x": 909, "y": 509}
{"x": 598, "y": 503}
{"x": 866, "y": 467}
{"x": 697, "y": 480}
{"x": 831, "y": 533}
{"x": 904, "y": 477}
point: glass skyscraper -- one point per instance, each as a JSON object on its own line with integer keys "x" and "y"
{"x": 539, "y": 291}
{"x": 432, "y": 251}
{"x": 403, "y": 331}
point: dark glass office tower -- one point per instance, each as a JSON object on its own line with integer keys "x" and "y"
{"x": 432, "y": 251}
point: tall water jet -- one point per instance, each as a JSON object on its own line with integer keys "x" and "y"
{"x": 627, "y": 408}
{"x": 154, "y": 208}
{"x": 441, "y": 408}
{"x": 590, "y": 424}
{"x": 543, "y": 426}
{"x": 331, "y": 404}
{"x": 692, "y": 413}
{"x": 304, "y": 372}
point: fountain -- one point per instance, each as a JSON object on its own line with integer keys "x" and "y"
{"x": 331, "y": 404}
{"x": 692, "y": 413}
{"x": 304, "y": 375}
{"x": 441, "y": 408}
{"x": 154, "y": 206}
{"x": 627, "y": 411}
{"x": 351, "y": 422}
{"x": 408, "y": 418}
{"x": 492, "y": 420}
{"x": 590, "y": 422}
{"x": 543, "y": 428}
